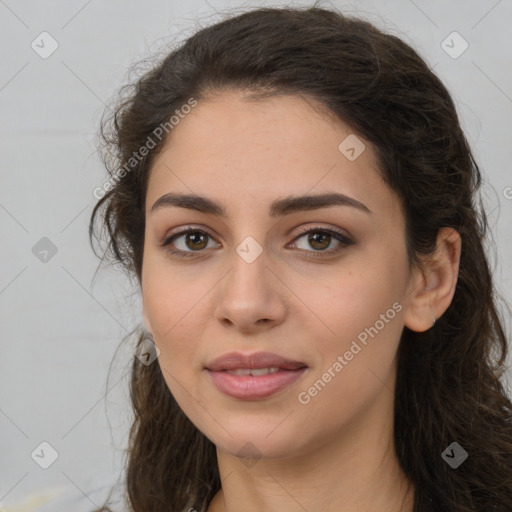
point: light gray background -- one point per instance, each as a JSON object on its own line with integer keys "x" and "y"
{"x": 60, "y": 328}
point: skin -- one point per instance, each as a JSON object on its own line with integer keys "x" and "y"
{"x": 335, "y": 453}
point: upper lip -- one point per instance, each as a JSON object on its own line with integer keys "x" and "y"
{"x": 237, "y": 360}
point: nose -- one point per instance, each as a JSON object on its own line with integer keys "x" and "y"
{"x": 250, "y": 296}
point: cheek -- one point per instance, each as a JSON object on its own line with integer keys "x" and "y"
{"x": 357, "y": 299}
{"x": 364, "y": 319}
{"x": 171, "y": 306}
{"x": 358, "y": 355}
{"x": 168, "y": 294}
{"x": 175, "y": 320}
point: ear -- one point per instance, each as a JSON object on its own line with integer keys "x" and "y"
{"x": 432, "y": 286}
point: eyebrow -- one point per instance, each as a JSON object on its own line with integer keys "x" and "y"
{"x": 278, "y": 208}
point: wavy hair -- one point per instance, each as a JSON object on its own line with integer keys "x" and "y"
{"x": 449, "y": 385}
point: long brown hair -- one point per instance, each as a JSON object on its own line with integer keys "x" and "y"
{"x": 449, "y": 378}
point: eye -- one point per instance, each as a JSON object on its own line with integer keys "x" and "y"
{"x": 321, "y": 238}
{"x": 194, "y": 240}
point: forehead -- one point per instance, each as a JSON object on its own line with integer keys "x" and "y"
{"x": 230, "y": 146}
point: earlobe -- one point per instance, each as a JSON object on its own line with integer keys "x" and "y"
{"x": 433, "y": 287}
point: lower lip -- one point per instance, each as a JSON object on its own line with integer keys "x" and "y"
{"x": 248, "y": 387}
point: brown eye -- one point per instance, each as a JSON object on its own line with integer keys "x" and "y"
{"x": 196, "y": 240}
{"x": 318, "y": 240}
{"x": 186, "y": 242}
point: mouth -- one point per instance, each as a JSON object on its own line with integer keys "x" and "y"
{"x": 254, "y": 376}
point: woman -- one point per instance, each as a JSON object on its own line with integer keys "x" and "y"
{"x": 295, "y": 195}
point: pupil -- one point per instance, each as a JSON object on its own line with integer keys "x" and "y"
{"x": 313, "y": 240}
{"x": 196, "y": 239}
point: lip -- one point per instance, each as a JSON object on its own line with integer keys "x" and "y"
{"x": 251, "y": 387}
{"x": 235, "y": 360}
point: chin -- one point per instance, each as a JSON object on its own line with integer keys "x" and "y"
{"x": 255, "y": 442}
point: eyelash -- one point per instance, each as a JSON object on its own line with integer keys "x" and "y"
{"x": 340, "y": 237}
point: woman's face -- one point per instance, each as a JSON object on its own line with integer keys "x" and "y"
{"x": 250, "y": 280}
